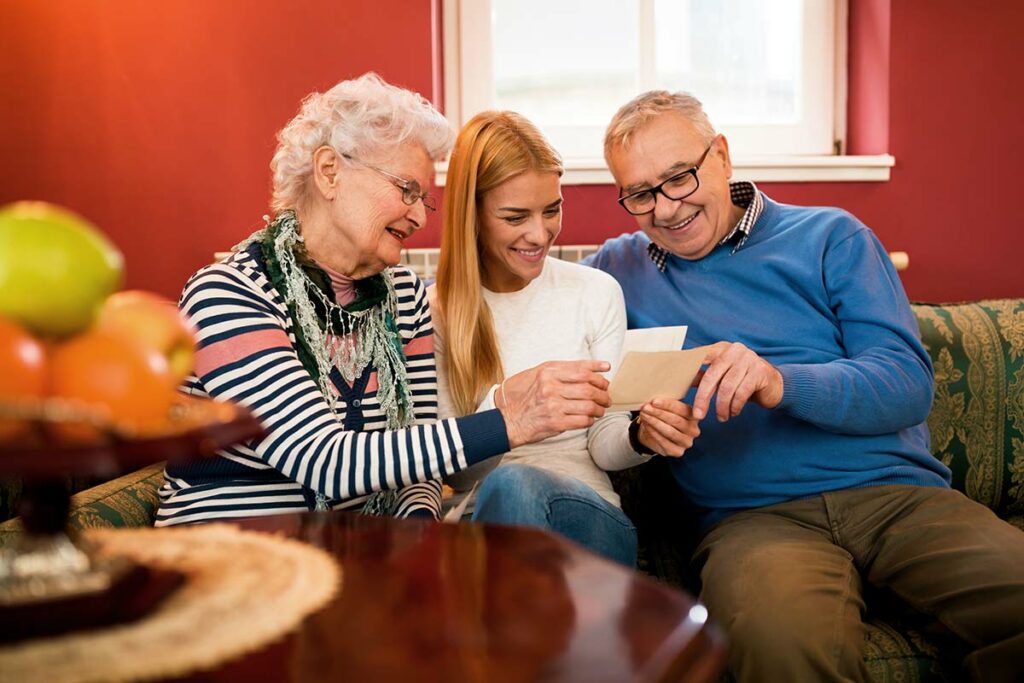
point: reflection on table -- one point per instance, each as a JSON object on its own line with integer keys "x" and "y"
{"x": 434, "y": 602}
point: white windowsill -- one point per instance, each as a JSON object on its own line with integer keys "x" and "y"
{"x": 809, "y": 169}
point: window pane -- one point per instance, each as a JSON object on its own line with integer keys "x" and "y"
{"x": 764, "y": 69}
{"x": 742, "y": 58}
{"x": 565, "y": 62}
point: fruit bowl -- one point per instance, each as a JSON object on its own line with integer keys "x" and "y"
{"x": 63, "y": 438}
{"x": 50, "y": 583}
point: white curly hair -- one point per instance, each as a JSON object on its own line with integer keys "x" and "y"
{"x": 362, "y": 117}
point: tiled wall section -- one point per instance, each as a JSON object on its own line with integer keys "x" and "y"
{"x": 424, "y": 261}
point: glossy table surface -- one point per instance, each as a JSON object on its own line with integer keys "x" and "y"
{"x": 423, "y": 601}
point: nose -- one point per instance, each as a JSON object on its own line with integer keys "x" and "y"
{"x": 417, "y": 214}
{"x": 537, "y": 232}
{"x": 665, "y": 208}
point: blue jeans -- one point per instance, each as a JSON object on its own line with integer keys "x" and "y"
{"x": 522, "y": 495}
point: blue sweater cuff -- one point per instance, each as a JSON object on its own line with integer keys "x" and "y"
{"x": 798, "y": 390}
{"x": 483, "y": 435}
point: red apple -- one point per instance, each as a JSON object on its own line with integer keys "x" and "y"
{"x": 153, "y": 321}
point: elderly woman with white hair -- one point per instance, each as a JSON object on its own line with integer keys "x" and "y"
{"x": 311, "y": 325}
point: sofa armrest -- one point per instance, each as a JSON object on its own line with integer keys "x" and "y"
{"x": 128, "y": 501}
{"x": 977, "y": 417}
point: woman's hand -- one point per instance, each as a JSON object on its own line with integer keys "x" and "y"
{"x": 667, "y": 427}
{"x": 552, "y": 398}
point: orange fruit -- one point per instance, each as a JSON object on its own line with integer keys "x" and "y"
{"x": 22, "y": 374}
{"x": 128, "y": 383}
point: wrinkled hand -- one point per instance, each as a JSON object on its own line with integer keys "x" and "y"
{"x": 737, "y": 375}
{"x": 667, "y": 427}
{"x": 552, "y": 398}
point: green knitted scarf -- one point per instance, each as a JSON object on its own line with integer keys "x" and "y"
{"x": 330, "y": 336}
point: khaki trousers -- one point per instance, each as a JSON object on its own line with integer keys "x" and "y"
{"x": 785, "y": 581}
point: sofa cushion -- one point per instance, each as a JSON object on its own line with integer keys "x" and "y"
{"x": 977, "y": 418}
{"x": 895, "y": 652}
{"x": 130, "y": 500}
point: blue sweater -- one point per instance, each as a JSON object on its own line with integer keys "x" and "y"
{"x": 813, "y": 292}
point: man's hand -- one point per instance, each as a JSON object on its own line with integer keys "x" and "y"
{"x": 667, "y": 427}
{"x": 737, "y": 375}
{"x": 552, "y": 398}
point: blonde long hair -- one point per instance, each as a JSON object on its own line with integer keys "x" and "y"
{"x": 491, "y": 148}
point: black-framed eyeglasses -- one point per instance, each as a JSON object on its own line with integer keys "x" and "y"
{"x": 411, "y": 190}
{"x": 679, "y": 186}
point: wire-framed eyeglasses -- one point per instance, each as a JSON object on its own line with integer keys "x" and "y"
{"x": 679, "y": 186}
{"x": 411, "y": 190}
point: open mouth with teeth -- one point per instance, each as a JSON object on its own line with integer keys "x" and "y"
{"x": 534, "y": 254}
{"x": 683, "y": 223}
{"x": 396, "y": 233}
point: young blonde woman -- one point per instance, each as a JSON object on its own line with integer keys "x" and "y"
{"x": 508, "y": 316}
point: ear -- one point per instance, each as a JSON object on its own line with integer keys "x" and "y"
{"x": 326, "y": 171}
{"x": 723, "y": 151}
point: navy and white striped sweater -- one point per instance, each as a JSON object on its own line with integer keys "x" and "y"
{"x": 246, "y": 354}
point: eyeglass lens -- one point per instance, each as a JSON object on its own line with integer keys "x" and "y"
{"x": 676, "y": 187}
{"x": 411, "y": 192}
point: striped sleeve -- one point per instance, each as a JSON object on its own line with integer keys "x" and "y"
{"x": 417, "y": 333}
{"x": 244, "y": 354}
{"x": 417, "y": 330}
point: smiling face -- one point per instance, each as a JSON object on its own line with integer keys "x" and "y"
{"x": 359, "y": 223}
{"x": 666, "y": 145}
{"x": 519, "y": 221}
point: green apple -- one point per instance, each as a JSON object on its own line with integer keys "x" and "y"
{"x": 56, "y": 268}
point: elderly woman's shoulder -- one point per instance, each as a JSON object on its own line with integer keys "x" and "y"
{"x": 233, "y": 267}
{"x": 405, "y": 279}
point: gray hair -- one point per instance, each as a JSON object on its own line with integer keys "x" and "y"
{"x": 360, "y": 117}
{"x": 644, "y": 107}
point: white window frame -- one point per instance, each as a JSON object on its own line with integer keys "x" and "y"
{"x": 469, "y": 88}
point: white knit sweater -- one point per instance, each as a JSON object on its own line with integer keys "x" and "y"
{"x": 570, "y": 312}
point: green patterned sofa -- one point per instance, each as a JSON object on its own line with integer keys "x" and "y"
{"x": 977, "y": 429}
{"x": 130, "y": 500}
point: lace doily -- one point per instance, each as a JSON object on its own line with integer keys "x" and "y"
{"x": 243, "y": 590}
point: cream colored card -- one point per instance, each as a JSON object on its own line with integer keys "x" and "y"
{"x": 654, "y": 339}
{"x": 645, "y": 375}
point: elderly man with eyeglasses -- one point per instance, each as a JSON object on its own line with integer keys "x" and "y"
{"x": 812, "y": 474}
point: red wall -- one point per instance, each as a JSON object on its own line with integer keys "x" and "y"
{"x": 867, "y": 115}
{"x": 156, "y": 120}
{"x": 956, "y": 111}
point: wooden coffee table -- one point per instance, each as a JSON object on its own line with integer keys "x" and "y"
{"x": 422, "y": 601}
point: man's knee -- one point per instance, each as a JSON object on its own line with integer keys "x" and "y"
{"x": 775, "y": 637}
{"x": 782, "y": 644}
{"x": 790, "y": 606}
